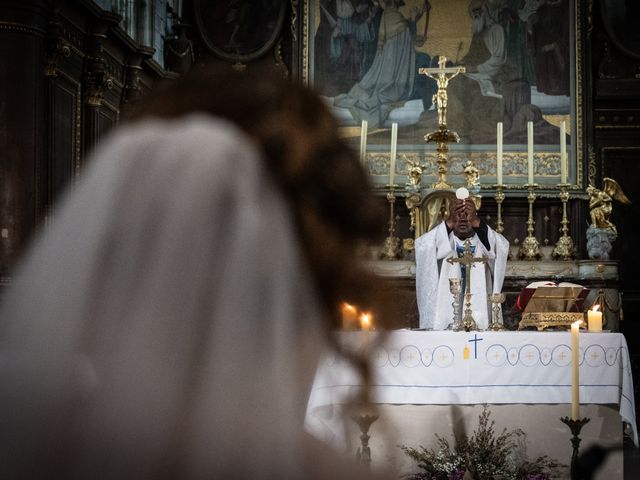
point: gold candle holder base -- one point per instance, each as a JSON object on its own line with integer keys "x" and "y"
{"x": 468, "y": 323}
{"x": 530, "y": 247}
{"x": 564, "y": 249}
{"x": 575, "y": 426}
{"x": 391, "y": 249}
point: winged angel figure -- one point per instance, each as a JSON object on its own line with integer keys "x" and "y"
{"x": 600, "y": 203}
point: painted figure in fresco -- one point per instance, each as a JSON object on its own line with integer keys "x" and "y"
{"x": 392, "y": 74}
{"x": 345, "y": 43}
{"x": 492, "y": 88}
{"x": 549, "y": 43}
{"x": 512, "y": 16}
{"x": 249, "y": 20}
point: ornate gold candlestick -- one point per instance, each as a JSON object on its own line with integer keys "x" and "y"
{"x": 530, "y": 247}
{"x": 564, "y": 249}
{"x": 499, "y": 199}
{"x": 455, "y": 287}
{"x": 363, "y": 455}
{"x": 391, "y": 249}
{"x": 575, "y": 426}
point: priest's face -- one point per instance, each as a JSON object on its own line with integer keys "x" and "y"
{"x": 462, "y": 227}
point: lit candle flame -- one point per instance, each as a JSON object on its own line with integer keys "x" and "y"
{"x": 595, "y": 308}
{"x": 365, "y": 321}
{"x": 348, "y": 306}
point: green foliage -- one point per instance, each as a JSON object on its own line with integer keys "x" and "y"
{"x": 485, "y": 455}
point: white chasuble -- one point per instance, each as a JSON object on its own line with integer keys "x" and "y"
{"x": 433, "y": 273}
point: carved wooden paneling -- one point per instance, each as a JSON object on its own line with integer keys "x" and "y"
{"x": 64, "y": 140}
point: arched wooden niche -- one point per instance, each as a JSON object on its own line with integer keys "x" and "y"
{"x": 429, "y": 211}
{"x": 616, "y": 15}
{"x": 239, "y": 31}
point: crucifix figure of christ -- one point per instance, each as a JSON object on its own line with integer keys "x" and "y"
{"x": 467, "y": 261}
{"x": 439, "y": 74}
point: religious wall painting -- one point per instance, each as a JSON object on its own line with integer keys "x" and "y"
{"x": 240, "y": 30}
{"x": 364, "y": 57}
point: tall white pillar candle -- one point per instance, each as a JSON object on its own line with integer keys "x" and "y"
{"x": 530, "y": 153}
{"x": 575, "y": 370}
{"x": 394, "y": 147}
{"x": 363, "y": 143}
{"x": 563, "y": 152}
{"x": 499, "y": 155}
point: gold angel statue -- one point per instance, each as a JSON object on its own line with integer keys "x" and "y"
{"x": 600, "y": 202}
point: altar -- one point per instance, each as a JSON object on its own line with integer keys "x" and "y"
{"x": 524, "y": 376}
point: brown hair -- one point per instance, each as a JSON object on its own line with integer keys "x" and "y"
{"x": 318, "y": 172}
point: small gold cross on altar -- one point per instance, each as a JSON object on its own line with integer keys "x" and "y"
{"x": 442, "y": 80}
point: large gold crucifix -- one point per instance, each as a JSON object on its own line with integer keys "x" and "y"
{"x": 468, "y": 261}
{"x": 439, "y": 74}
{"x": 443, "y": 136}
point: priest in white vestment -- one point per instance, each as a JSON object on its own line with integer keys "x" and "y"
{"x": 433, "y": 271}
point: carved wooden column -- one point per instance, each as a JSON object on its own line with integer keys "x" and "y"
{"x": 96, "y": 79}
{"x": 132, "y": 90}
{"x": 23, "y": 24}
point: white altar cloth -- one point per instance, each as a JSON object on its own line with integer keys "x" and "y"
{"x": 464, "y": 368}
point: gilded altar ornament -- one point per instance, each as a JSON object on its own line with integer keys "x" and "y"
{"x": 443, "y": 136}
{"x": 472, "y": 175}
{"x": 473, "y": 183}
{"x": 564, "y": 249}
{"x": 414, "y": 174}
{"x": 497, "y": 323}
{"x": 600, "y": 203}
{"x": 468, "y": 260}
{"x": 602, "y": 233}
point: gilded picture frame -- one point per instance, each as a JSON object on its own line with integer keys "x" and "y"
{"x": 240, "y": 31}
{"x": 349, "y": 56}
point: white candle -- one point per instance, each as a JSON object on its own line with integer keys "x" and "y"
{"x": 365, "y": 322}
{"x": 563, "y": 152}
{"x": 499, "y": 155}
{"x": 575, "y": 370}
{"x": 366, "y": 326}
{"x": 594, "y": 319}
{"x": 394, "y": 147}
{"x": 349, "y": 317}
{"x": 530, "y": 153}
{"x": 363, "y": 143}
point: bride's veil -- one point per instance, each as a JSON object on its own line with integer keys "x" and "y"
{"x": 164, "y": 324}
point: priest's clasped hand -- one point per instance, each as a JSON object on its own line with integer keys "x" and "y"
{"x": 463, "y": 215}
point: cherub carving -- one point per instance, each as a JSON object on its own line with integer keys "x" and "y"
{"x": 472, "y": 174}
{"x": 600, "y": 203}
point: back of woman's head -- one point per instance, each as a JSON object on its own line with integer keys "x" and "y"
{"x": 328, "y": 191}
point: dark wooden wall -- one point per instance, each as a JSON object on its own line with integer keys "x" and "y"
{"x": 68, "y": 71}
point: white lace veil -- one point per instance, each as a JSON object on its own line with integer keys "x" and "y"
{"x": 164, "y": 325}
